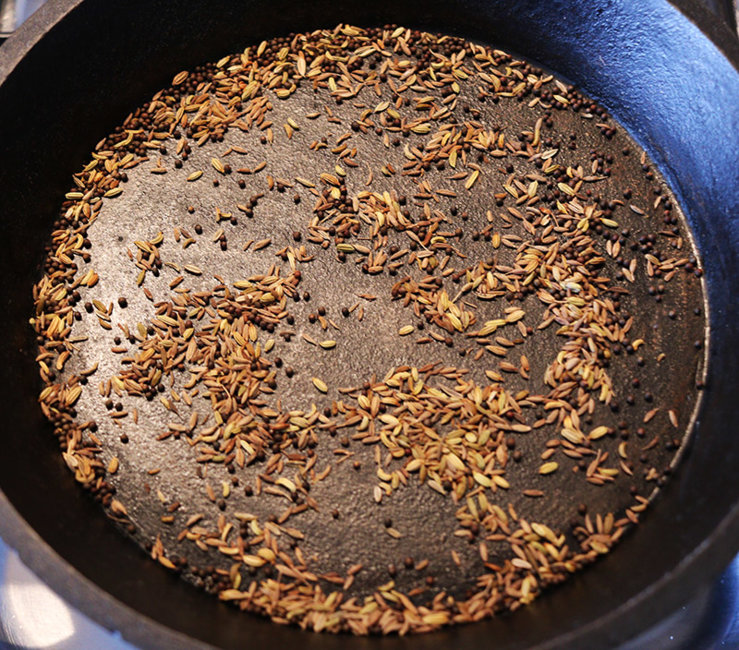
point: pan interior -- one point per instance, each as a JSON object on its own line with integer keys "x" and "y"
{"x": 674, "y": 529}
{"x": 404, "y": 345}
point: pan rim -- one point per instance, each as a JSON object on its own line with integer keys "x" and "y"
{"x": 706, "y": 560}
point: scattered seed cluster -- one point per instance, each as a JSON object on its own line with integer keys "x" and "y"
{"x": 397, "y": 331}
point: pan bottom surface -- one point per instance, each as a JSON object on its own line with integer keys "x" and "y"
{"x": 371, "y": 330}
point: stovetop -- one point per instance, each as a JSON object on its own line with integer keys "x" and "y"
{"x": 33, "y": 616}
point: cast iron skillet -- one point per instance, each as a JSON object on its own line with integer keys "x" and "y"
{"x": 75, "y": 70}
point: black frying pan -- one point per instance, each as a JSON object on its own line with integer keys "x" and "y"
{"x": 77, "y": 68}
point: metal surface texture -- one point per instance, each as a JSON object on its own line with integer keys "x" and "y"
{"x": 671, "y": 88}
{"x": 152, "y": 203}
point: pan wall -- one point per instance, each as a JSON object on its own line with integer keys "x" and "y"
{"x": 650, "y": 66}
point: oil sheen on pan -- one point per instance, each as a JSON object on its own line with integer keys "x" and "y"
{"x": 371, "y": 330}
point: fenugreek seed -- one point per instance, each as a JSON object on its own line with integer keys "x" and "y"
{"x": 501, "y": 482}
{"x": 320, "y": 385}
{"x": 117, "y": 508}
{"x": 598, "y": 432}
{"x": 548, "y": 468}
{"x": 286, "y": 483}
{"x": 482, "y": 479}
